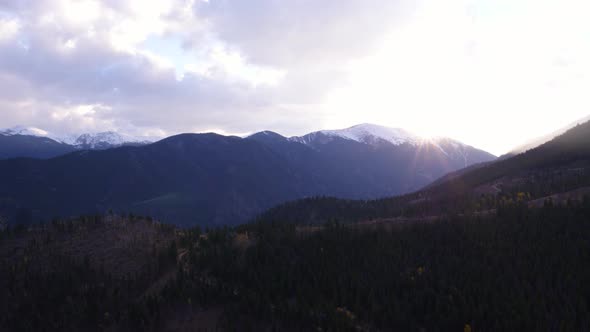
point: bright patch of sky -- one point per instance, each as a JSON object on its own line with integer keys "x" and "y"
{"x": 492, "y": 74}
{"x": 171, "y": 49}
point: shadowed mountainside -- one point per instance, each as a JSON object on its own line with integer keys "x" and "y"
{"x": 209, "y": 179}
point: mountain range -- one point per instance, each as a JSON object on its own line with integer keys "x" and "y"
{"x": 557, "y": 171}
{"x": 210, "y": 179}
{"x": 498, "y": 246}
{"x": 31, "y": 142}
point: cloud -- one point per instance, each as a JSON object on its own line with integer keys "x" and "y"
{"x": 231, "y": 70}
{"x": 305, "y": 32}
{"x": 8, "y": 28}
{"x": 294, "y": 66}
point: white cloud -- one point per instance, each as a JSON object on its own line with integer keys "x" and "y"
{"x": 81, "y": 12}
{"x": 302, "y": 32}
{"x": 490, "y": 75}
{"x": 224, "y": 64}
{"x": 466, "y": 68}
{"x": 9, "y": 27}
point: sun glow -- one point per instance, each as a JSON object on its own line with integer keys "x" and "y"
{"x": 453, "y": 70}
{"x": 81, "y": 12}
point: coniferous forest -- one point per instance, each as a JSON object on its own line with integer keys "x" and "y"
{"x": 294, "y": 165}
{"x": 520, "y": 269}
{"x": 502, "y": 247}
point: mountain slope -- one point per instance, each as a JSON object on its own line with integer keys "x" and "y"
{"x": 569, "y": 150}
{"x": 544, "y": 139}
{"x": 203, "y": 179}
{"x": 560, "y": 166}
{"x": 209, "y": 179}
{"x": 282, "y": 277}
{"x": 106, "y": 140}
{"x": 414, "y": 262}
{"x": 376, "y": 136}
{"x": 12, "y": 146}
{"x": 369, "y": 161}
{"x": 363, "y": 133}
{"x": 33, "y": 142}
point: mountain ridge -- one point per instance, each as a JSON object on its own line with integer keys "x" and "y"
{"x": 366, "y": 133}
{"x": 545, "y": 138}
{"x": 211, "y": 179}
{"x": 82, "y": 141}
{"x": 557, "y": 168}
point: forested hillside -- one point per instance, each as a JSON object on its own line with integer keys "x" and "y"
{"x": 504, "y": 246}
{"x": 520, "y": 269}
{"x": 561, "y": 166}
{"x": 214, "y": 180}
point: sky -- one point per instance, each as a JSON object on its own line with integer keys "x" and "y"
{"x": 490, "y": 73}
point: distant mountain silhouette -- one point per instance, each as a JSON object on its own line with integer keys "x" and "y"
{"x": 31, "y": 142}
{"x": 557, "y": 171}
{"x": 209, "y": 179}
{"x": 31, "y": 146}
{"x": 369, "y": 161}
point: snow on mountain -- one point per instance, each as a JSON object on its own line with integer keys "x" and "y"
{"x": 364, "y": 133}
{"x": 22, "y": 130}
{"x": 370, "y": 134}
{"x": 100, "y": 140}
{"x": 107, "y": 139}
{"x": 374, "y": 134}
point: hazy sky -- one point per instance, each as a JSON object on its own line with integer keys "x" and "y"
{"x": 490, "y": 73}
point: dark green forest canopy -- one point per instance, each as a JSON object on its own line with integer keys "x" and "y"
{"x": 521, "y": 269}
{"x": 501, "y": 247}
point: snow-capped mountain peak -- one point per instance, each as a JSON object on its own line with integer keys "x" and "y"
{"x": 101, "y": 140}
{"x": 364, "y": 133}
{"x": 367, "y": 133}
{"x": 108, "y": 138}
{"x": 26, "y": 131}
